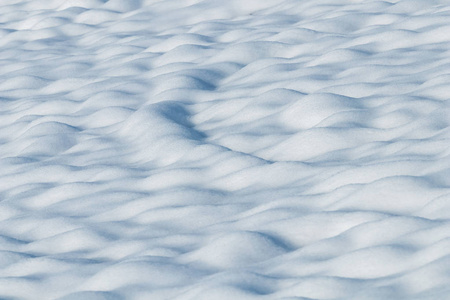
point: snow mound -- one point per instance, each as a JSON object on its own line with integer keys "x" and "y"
{"x": 206, "y": 149}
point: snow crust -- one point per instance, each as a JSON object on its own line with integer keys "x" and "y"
{"x": 206, "y": 149}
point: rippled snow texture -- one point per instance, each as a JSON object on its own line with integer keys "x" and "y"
{"x": 206, "y": 149}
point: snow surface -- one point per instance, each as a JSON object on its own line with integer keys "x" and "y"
{"x": 207, "y": 149}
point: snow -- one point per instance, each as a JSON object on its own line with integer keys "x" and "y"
{"x": 206, "y": 149}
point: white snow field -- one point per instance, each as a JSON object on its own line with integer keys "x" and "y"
{"x": 235, "y": 149}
